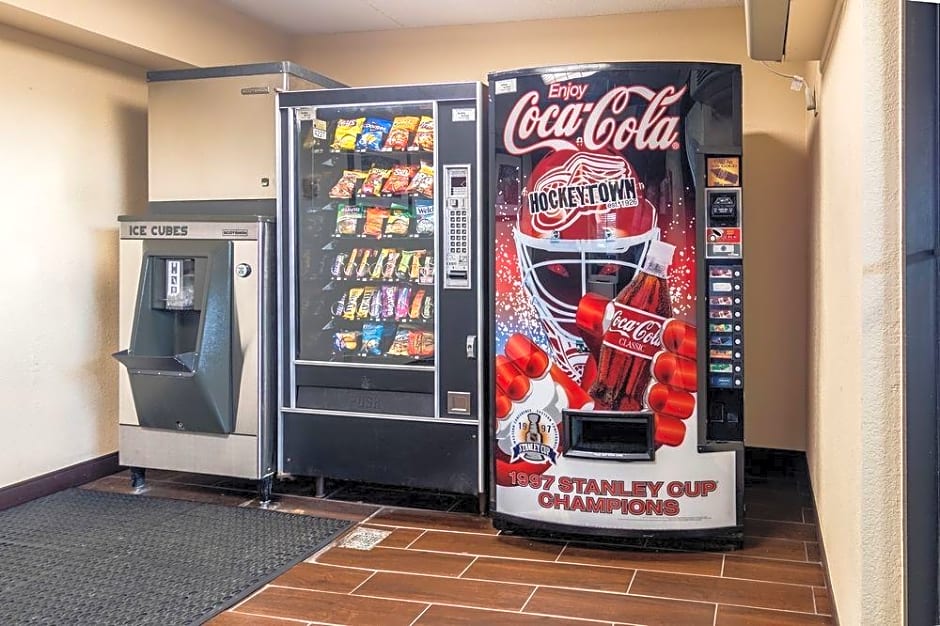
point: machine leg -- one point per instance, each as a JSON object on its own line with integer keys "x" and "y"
{"x": 138, "y": 478}
{"x": 265, "y": 486}
{"x": 481, "y": 503}
{"x": 321, "y": 487}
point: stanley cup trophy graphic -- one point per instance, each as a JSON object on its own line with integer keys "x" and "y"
{"x": 533, "y": 433}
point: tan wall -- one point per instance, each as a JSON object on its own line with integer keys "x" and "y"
{"x": 855, "y": 397}
{"x": 74, "y": 130}
{"x": 73, "y": 157}
{"x": 776, "y": 195}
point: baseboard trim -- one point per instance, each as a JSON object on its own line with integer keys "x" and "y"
{"x": 57, "y": 480}
{"x": 825, "y": 559}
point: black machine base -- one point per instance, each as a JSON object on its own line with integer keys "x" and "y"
{"x": 712, "y": 539}
{"x": 438, "y": 456}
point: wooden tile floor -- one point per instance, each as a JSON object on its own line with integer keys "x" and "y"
{"x": 445, "y": 567}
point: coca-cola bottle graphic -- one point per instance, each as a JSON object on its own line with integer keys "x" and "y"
{"x": 634, "y": 334}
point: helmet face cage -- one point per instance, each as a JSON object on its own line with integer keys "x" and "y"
{"x": 555, "y": 273}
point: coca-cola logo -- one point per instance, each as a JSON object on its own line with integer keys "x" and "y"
{"x": 634, "y": 331}
{"x": 596, "y": 124}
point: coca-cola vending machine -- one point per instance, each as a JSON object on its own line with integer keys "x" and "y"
{"x": 616, "y": 299}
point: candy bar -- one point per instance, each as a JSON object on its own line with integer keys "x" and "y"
{"x": 404, "y": 265}
{"x": 352, "y": 303}
{"x": 389, "y": 300}
{"x": 403, "y": 306}
{"x": 416, "y": 302}
{"x": 352, "y": 263}
{"x": 365, "y": 305}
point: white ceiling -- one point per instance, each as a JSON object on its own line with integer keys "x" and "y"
{"x": 309, "y": 17}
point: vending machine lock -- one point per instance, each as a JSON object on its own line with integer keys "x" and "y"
{"x": 471, "y": 346}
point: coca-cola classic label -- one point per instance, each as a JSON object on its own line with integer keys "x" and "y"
{"x": 634, "y": 331}
{"x": 597, "y": 124}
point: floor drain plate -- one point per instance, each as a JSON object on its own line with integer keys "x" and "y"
{"x": 364, "y": 538}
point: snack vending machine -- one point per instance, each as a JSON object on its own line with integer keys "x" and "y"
{"x": 382, "y": 285}
{"x": 616, "y": 300}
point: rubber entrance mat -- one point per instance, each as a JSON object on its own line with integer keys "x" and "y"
{"x": 88, "y": 557}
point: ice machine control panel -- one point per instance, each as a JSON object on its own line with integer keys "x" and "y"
{"x": 457, "y": 240}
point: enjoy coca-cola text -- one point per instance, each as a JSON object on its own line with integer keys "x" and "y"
{"x": 636, "y": 332}
{"x": 556, "y": 125}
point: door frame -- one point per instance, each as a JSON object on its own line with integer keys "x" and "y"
{"x": 921, "y": 193}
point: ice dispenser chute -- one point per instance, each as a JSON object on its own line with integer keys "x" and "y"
{"x": 180, "y": 361}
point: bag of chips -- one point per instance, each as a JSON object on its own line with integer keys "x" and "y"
{"x": 424, "y": 137}
{"x": 398, "y": 223}
{"x": 345, "y": 187}
{"x": 344, "y": 138}
{"x": 373, "y": 134}
{"x": 398, "y": 180}
{"x": 424, "y": 213}
{"x": 347, "y": 220}
{"x": 398, "y": 136}
{"x": 346, "y": 341}
{"x": 375, "y": 220}
{"x": 372, "y": 339}
{"x": 423, "y": 182}
{"x": 372, "y": 185}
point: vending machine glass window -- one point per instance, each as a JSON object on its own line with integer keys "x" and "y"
{"x": 367, "y": 232}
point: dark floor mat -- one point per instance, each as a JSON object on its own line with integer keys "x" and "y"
{"x": 88, "y": 557}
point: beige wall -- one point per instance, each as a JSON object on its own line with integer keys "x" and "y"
{"x": 855, "y": 397}
{"x": 73, "y": 157}
{"x": 74, "y": 151}
{"x": 775, "y": 172}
